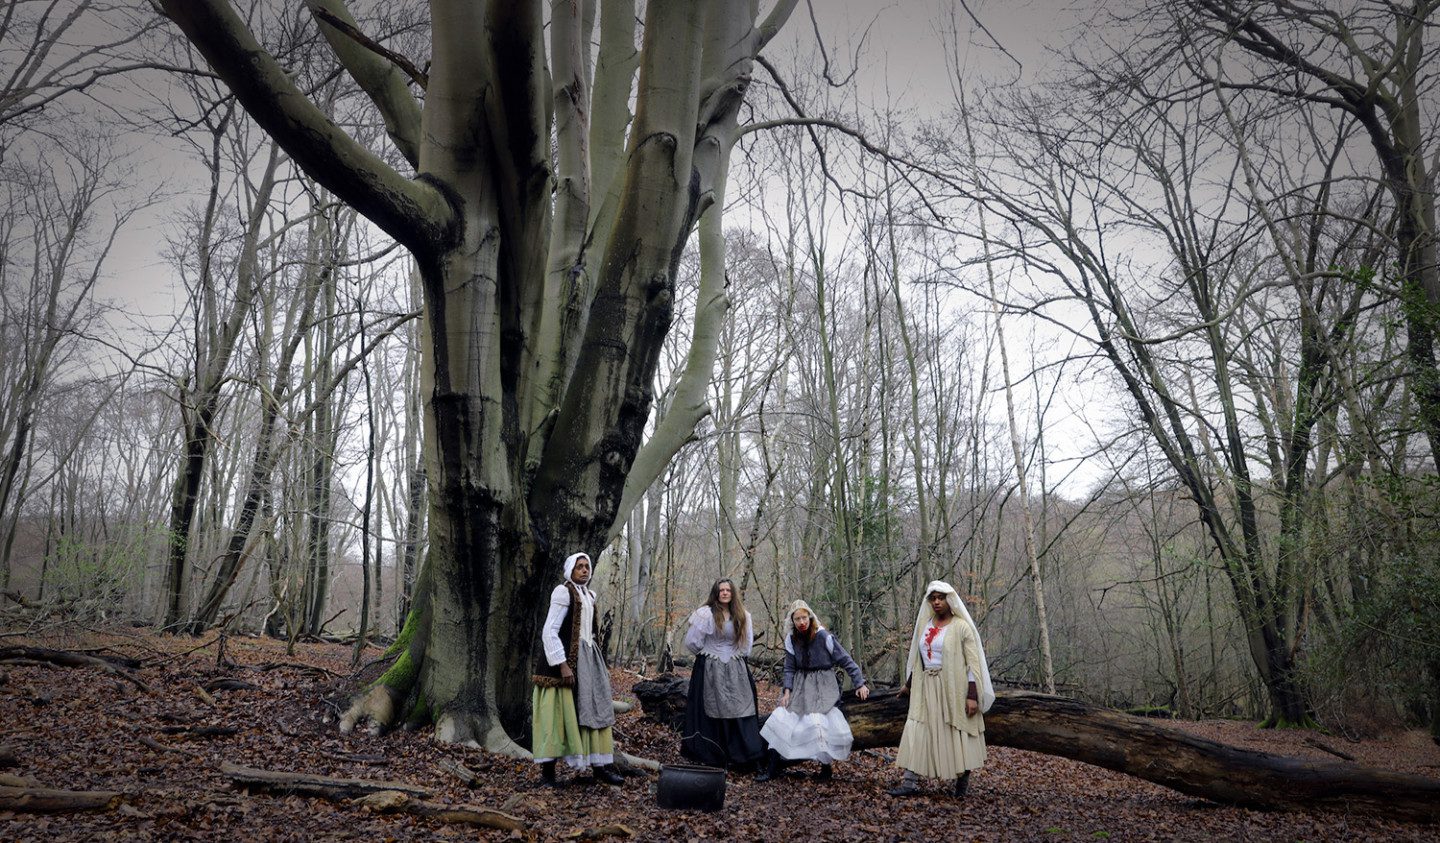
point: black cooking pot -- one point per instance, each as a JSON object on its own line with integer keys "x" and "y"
{"x": 691, "y": 787}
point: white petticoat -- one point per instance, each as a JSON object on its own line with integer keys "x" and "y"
{"x": 810, "y": 737}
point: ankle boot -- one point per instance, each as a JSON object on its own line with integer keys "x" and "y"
{"x": 962, "y": 784}
{"x": 772, "y": 767}
{"x": 826, "y": 773}
{"x": 547, "y": 774}
{"x": 909, "y": 785}
{"x": 606, "y": 774}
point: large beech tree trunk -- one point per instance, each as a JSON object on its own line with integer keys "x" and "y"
{"x": 1140, "y": 747}
{"x": 548, "y": 288}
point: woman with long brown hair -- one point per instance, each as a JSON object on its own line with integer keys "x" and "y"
{"x": 721, "y": 726}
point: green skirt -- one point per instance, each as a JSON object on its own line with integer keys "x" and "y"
{"x": 557, "y": 734}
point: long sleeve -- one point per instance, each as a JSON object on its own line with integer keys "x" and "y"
{"x": 844, "y": 659}
{"x": 972, "y": 654}
{"x": 701, "y": 625}
{"x": 744, "y": 652}
{"x": 788, "y": 681}
{"x": 550, "y": 633}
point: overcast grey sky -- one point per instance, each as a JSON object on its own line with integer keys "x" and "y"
{"x": 903, "y": 62}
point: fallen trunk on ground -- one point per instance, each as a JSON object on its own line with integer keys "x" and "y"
{"x": 1139, "y": 747}
{"x": 43, "y": 800}
{"x": 114, "y": 665}
{"x": 309, "y": 784}
{"x": 392, "y": 802}
{"x": 379, "y": 796}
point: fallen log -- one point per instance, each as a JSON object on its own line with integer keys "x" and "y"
{"x": 42, "y": 800}
{"x": 67, "y": 658}
{"x": 388, "y": 802}
{"x": 309, "y": 784}
{"x": 114, "y": 665}
{"x": 1165, "y": 755}
{"x": 1140, "y": 747}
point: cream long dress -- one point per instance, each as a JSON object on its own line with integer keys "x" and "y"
{"x": 940, "y": 740}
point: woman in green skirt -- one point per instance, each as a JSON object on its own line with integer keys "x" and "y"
{"x": 570, "y": 709}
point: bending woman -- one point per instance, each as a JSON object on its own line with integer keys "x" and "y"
{"x": 807, "y": 726}
{"x": 944, "y": 735}
{"x": 571, "y": 710}
{"x": 721, "y": 727}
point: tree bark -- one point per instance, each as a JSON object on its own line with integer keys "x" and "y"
{"x": 524, "y": 460}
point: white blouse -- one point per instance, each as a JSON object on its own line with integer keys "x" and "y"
{"x": 703, "y": 639}
{"x": 559, "y": 604}
{"x": 931, "y": 655}
{"x": 932, "y": 647}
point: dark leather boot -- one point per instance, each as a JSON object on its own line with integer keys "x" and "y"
{"x": 772, "y": 767}
{"x": 605, "y": 774}
{"x": 547, "y": 774}
{"x": 962, "y": 785}
{"x": 909, "y": 786}
{"x": 826, "y": 773}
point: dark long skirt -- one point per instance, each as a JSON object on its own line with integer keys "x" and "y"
{"x": 714, "y": 741}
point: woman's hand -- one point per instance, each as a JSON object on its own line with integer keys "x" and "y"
{"x": 862, "y": 692}
{"x": 566, "y": 674}
{"x": 785, "y": 699}
{"x": 971, "y": 708}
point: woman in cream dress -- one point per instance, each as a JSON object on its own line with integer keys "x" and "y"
{"x": 949, "y": 686}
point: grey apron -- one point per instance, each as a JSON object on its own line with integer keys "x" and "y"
{"x": 815, "y": 692}
{"x": 728, "y": 693}
{"x": 593, "y": 708}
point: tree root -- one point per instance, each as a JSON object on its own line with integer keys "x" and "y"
{"x": 376, "y": 707}
{"x": 1276, "y": 721}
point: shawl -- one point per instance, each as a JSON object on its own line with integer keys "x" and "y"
{"x": 957, "y": 608}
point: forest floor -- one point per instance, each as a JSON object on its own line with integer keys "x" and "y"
{"x": 87, "y": 729}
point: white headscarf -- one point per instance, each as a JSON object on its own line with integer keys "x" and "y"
{"x": 570, "y": 566}
{"x": 957, "y": 607}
